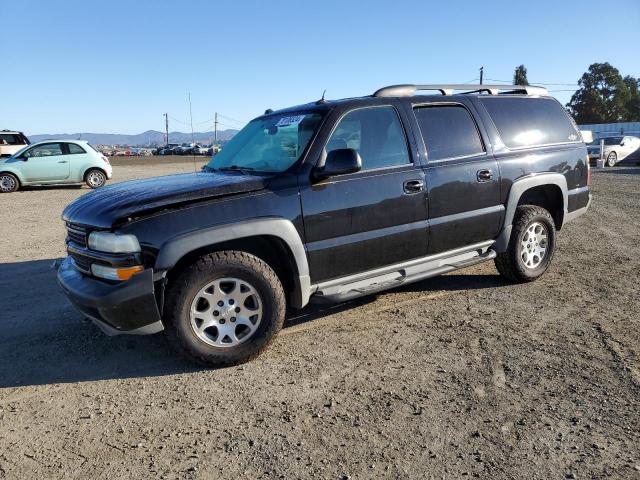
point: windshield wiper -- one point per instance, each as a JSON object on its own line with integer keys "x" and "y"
{"x": 237, "y": 168}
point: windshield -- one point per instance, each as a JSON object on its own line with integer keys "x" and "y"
{"x": 270, "y": 144}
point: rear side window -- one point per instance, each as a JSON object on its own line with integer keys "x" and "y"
{"x": 377, "y": 135}
{"x": 75, "y": 149}
{"x": 448, "y": 132}
{"x": 11, "y": 139}
{"x": 528, "y": 122}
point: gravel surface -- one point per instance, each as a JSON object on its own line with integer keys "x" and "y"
{"x": 459, "y": 376}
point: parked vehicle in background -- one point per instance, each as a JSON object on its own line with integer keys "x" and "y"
{"x": 11, "y": 142}
{"x": 199, "y": 149}
{"x": 55, "y": 162}
{"x": 616, "y": 149}
{"x": 168, "y": 149}
{"x": 326, "y": 202}
{"x": 184, "y": 149}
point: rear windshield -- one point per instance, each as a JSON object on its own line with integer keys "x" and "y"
{"x": 527, "y": 122}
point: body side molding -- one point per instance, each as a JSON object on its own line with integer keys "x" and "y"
{"x": 175, "y": 248}
{"x": 517, "y": 189}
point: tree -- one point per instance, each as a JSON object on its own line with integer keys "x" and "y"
{"x": 520, "y": 76}
{"x": 603, "y": 97}
{"x": 633, "y": 101}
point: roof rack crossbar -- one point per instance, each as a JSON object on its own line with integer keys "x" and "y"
{"x": 448, "y": 89}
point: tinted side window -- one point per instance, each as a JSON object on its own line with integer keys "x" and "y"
{"x": 10, "y": 139}
{"x": 448, "y": 131}
{"x": 75, "y": 149}
{"x": 377, "y": 135}
{"x": 525, "y": 122}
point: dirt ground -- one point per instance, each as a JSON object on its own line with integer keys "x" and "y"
{"x": 458, "y": 376}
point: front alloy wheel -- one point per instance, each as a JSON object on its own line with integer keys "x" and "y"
{"x": 224, "y": 309}
{"x": 8, "y": 183}
{"x": 226, "y": 312}
{"x": 612, "y": 159}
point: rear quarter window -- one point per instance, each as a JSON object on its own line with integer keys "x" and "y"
{"x": 528, "y": 122}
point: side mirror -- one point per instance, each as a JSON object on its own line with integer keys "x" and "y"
{"x": 339, "y": 162}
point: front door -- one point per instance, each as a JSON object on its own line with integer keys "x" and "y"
{"x": 462, "y": 177}
{"x": 45, "y": 163}
{"x": 372, "y": 218}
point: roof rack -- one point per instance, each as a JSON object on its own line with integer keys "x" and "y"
{"x": 449, "y": 89}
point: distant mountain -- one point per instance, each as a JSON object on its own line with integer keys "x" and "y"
{"x": 150, "y": 137}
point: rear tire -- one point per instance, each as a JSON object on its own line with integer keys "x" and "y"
{"x": 225, "y": 309}
{"x": 612, "y": 159}
{"x": 8, "y": 183}
{"x": 95, "y": 178}
{"x": 531, "y": 246}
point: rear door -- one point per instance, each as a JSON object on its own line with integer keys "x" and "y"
{"x": 462, "y": 176}
{"x": 46, "y": 163}
{"x": 372, "y": 218}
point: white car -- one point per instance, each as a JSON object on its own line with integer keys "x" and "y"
{"x": 11, "y": 142}
{"x": 616, "y": 148}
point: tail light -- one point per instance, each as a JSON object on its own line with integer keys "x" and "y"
{"x": 588, "y": 172}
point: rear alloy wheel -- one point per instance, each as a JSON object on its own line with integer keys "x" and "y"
{"x": 8, "y": 183}
{"x": 612, "y": 159}
{"x": 95, "y": 178}
{"x": 531, "y": 246}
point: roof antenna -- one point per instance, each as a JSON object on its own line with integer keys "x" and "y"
{"x": 322, "y": 100}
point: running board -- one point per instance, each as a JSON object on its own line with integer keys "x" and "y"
{"x": 347, "y": 288}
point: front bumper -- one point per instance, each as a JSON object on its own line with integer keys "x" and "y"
{"x": 117, "y": 308}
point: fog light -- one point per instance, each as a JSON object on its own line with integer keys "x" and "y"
{"x": 111, "y": 273}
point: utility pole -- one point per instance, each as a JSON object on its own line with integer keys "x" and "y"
{"x": 481, "y": 74}
{"x": 215, "y": 129}
{"x": 166, "y": 129}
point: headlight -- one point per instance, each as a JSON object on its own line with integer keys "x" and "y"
{"x": 113, "y": 243}
{"x": 111, "y": 273}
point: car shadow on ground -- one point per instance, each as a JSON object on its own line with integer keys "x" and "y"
{"x": 45, "y": 340}
{"x": 619, "y": 170}
{"x": 72, "y": 186}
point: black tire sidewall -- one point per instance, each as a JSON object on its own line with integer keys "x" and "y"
{"x": 179, "y": 321}
{"x": 523, "y": 270}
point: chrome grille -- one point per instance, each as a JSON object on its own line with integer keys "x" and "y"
{"x": 77, "y": 235}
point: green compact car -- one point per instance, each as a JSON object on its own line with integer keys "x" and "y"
{"x": 54, "y": 162}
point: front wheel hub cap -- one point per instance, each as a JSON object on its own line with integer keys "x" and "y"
{"x": 226, "y": 312}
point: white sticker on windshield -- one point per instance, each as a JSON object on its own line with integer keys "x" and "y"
{"x": 286, "y": 121}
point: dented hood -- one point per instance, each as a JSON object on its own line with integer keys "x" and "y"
{"x": 104, "y": 206}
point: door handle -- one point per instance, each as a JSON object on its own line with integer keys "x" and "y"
{"x": 62, "y": 161}
{"x": 484, "y": 175}
{"x": 413, "y": 186}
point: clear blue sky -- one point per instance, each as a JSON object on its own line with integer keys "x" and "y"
{"x": 115, "y": 66}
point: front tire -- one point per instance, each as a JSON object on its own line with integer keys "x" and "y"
{"x": 531, "y": 246}
{"x": 225, "y": 309}
{"x": 8, "y": 183}
{"x": 95, "y": 178}
{"x": 612, "y": 159}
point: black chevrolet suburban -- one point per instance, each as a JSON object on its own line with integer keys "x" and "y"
{"x": 325, "y": 202}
